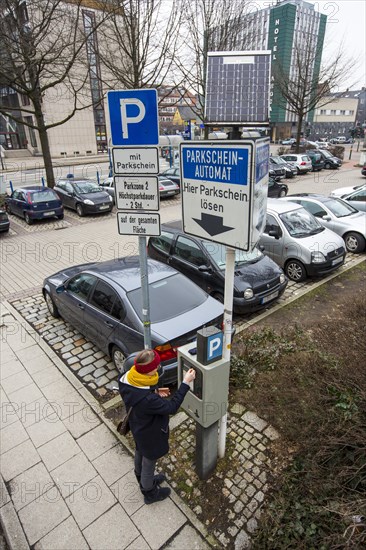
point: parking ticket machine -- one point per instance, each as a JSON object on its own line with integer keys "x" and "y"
{"x": 206, "y": 402}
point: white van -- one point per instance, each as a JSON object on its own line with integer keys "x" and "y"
{"x": 298, "y": 243}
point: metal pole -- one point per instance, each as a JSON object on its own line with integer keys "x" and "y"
{"x": 145, "y": 292}
{"x": 228, "y": 323}
{"x": 350, "y": 152}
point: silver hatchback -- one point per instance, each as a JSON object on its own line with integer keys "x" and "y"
{"x": 297, "y": 242}
{"x": 301, "y": 161}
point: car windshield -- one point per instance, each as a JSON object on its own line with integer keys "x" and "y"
{"x": 84, "y": 187}
{"x": 339, "y": 208}
{"x": 43, "y": 196}
{"x": 300, "y": 223}
{"x": 326, "y": 153}
{"x": 279, "y": 160}
{"x": 169, "y": 298}
{"x": 218, "y": 254}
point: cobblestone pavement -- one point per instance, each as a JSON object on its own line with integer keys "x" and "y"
{"x": 234, "y": 494}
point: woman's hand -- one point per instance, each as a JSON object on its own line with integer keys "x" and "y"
{"x": 189, "y": 376}
{"x": 163, "y": 392}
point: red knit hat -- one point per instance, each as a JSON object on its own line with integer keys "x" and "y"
{"x": 145, "y": 368}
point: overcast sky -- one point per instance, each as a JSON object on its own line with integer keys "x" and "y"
{"x": 346, "y": 24}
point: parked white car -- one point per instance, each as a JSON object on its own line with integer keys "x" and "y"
{"x": 301, "y": 161}
{"x": 337, "y": 215}
{"x": 355, "y": 196}
{"x": 322, "y": 144}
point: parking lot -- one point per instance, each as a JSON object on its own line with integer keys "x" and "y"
{"x": 31, "y": 253}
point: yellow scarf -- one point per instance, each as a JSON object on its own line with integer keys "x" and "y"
{"x": 137, "y": 379}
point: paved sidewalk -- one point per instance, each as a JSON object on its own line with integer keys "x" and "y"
{"x": 67, "y": 481}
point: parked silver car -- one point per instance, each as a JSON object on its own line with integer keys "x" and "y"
{"x": 355, "y": 196}
{"x": 301, "y": 161}
{"x": 297, "y": 242}
{"x": 338, "y": 216}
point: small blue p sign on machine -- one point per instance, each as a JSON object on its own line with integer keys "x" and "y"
{"x": 209, "y": 345}
{"x": 133, "y": 117}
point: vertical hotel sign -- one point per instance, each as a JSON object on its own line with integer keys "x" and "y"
{"x": 280, "y": 41}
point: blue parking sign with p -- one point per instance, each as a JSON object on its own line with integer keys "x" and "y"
{"x": 214, "y": 347}
{"x": 133, "y": 117}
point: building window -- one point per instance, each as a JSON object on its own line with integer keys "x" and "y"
{"x": 32, "y": 133}
{"x": 95, "y": 80}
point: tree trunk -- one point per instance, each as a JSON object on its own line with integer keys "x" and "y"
{"x": 298, "y": 133}
{"x": 43, "y": 136}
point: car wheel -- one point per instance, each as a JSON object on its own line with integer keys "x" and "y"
{"x": 295, "y": 271}
{"x": 354, "y": 242}
{"x": 327, "y": 166}
{"x": 118, "y": 358}
{"x": 52, "y": 308}
{"x": 283, "y": 193}
{"x": 80, "y": 210}
{"x": 28, "y": 219}
{"x": 60, "y": 217}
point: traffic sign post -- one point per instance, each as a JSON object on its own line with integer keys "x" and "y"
{"x": 224, "y": 190}
{"x": 138, "y": 223}
{"x": 133, "y": 116}
{"x": 134, "y": 130}
{"x": 224, "y": 199}
{"x": 137, "y": 193}
{"x": 135, "y": 160}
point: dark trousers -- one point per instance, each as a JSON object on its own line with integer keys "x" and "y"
{"x": 145, "y": 468}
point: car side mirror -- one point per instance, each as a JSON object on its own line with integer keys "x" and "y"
{"x": 277, "y": 178}
{"x": 205, "y": 268}
{"x": 274, "y": 233}
{"x": 261, "y": 248}
{"x": 60, "y": 289}
{"x": 326, "y": 218}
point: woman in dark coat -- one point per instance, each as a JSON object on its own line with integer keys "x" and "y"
{"x": 149, "y": 419}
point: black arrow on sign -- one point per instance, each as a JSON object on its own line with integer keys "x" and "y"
{"x": 213, "y": 225}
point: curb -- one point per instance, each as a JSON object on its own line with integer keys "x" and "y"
{"x": 301, "y": 293}
{"x": 10, "y": 524}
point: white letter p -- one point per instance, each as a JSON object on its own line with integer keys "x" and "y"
{"x": 126, "y": 120}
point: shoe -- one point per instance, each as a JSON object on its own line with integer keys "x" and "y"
{"x": 158, "y": 478}
{"x": 156, "y": 494}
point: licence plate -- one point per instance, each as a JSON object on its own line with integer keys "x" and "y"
{"x": 269, "y": 297}
{"x": 104, "y": 207}
{"x": 337, "y": 261}
{"x": 170, "y": 192}
{"x": 49, "y": 213}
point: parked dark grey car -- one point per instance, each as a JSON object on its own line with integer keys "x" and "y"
{"x": 4, "y": 221}
{"x": 258, "y": 281}
{"x": 83, "y": 195}
{"x": 104, "y": 302}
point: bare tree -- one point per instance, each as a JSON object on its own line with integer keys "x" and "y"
{"x": 140, "y": 42}
{"x": 43, "y": 55}
{"x": 211, "y": 25}
{"x": 308, "y": 84}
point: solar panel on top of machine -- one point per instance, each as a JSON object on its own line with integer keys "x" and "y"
{"x": 237, "y": 87}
